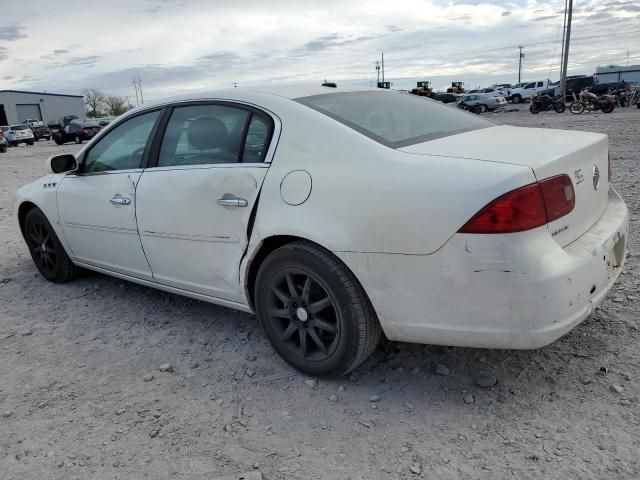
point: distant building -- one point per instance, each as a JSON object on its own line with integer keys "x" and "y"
{"x": 614, "y": 73}
{"x": 17, "y": 106}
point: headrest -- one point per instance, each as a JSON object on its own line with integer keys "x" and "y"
{"x": 206, "y": 133}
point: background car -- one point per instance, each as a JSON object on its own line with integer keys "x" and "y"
{"x": 76, "y": 132}
{"x": 41, "y": 132}
{"x": 445, "y": 97}
{"x": 17, "y": 134}
{"x": 528, "y": 90}
{"x": 484, "y": 101}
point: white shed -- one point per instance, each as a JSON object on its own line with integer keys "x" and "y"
{"x": 17, "y": 106}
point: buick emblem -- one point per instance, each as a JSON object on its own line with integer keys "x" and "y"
{"x": 596, "y": 178}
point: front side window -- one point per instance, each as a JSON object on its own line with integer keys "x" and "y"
{"x": 203, "y": 135}
{"x": 395, "y": 119}
{"x": 123, "y": 147}
{"x": 530, "y": 85}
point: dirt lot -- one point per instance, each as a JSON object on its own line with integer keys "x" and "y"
{"x": 81, "y": 394}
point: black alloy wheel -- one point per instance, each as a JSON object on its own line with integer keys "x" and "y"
{"x": 46, "y": 250}
{"x": 78, "y": 140}
{"x": 314, "y": 311}
{"x": 304, "y": 314}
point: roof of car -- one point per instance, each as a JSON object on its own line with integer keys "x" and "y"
{"x": 285, "y": 91}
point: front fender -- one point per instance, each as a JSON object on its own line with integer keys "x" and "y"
{"x": 42, "y": 194}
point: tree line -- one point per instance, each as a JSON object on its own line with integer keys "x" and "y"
{"x": 100, "y": 105}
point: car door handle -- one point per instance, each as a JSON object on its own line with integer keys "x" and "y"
{"x": 228, "y": 200}
{"x": 120, "y": 200}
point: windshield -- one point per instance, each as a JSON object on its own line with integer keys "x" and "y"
{"x": 18, "y": 127}
{"x": 395, "y": 119}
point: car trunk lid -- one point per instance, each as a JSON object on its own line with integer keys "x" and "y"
{"x": 580, "y": 155}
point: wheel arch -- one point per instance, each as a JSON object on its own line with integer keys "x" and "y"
{"x": 24, "y": 208}
{"x": 265, "y": 248}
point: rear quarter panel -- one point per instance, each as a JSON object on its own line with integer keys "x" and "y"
{"x": 366, "y": 197}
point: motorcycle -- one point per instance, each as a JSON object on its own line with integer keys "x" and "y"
{"x": 591, "y": 103}
{"x": 545, "y": 103}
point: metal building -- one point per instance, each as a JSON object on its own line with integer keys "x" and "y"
{"x": 614, "y": 73}
{"x": 17, "y": 106}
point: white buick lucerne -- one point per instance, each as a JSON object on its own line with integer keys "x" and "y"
{"x": 340, "y": 214}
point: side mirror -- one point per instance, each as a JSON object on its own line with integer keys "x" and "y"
{"x": 62, "y": 163}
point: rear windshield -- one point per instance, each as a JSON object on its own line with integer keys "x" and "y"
{"x": 18, "y": 127}
{"x": 395, "y": 119}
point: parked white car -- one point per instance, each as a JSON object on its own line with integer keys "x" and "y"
{"x": 528, "y": 91}
{"x": 17, "y": 134}
{"x": 340, "y": 214}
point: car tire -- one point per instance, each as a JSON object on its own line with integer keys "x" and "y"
{"x": 58, "y": 142}
{"x": 314, "y": 311}
{"x": 3, "y": 149}
{"x": 483, "y": 108}
{"x": 517, "y": 98}
{"x": 47, "y": 138}
{"x": 45, "y": 248}
{"x": 30, "y": 142}
{"x": 78, "y": 140}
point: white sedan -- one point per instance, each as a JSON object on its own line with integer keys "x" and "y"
{"x": 338, "y": 215}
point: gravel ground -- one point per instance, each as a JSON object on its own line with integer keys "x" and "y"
{"x": 82, "y": 394}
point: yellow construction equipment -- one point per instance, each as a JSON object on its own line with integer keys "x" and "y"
{"x": 456, "y": 87}
{"x": 423, "y": 89}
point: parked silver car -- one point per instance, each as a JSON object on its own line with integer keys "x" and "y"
{"x": 483, "y": 101}
{"x": 17, "y": 134}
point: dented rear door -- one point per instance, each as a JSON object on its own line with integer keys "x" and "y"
{"x": 191, "y": 232}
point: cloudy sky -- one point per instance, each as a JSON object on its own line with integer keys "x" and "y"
{"x": 179, "y": 45}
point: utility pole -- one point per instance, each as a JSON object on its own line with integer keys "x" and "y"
{"x": 378, "y": 71}
{"x": 520, "y": 57}
{"x": 565, "y": 50}
{"x": 235, "y": 84}
{"x": 382, "y": 67}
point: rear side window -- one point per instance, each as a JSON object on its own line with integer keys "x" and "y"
{"x": 203, "y": 134}
{"x": 395, "y": 119}
{"x": 257, "y": 141}
{"x": 214, "y": 134}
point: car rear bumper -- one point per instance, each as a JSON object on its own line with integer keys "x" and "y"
{"x": 496, "y": 291}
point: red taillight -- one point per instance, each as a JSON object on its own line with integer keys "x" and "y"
{"x": 82, "y": 130}
{"x": 559, "y": 197}
{"x": 525, "y": 208}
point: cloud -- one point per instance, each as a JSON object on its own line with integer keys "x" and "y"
{"x": 213, "y": 44}
{"x": 545, "y": 17}
{"x": 11, "y": 32}
{"x": 83, "y": 61}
